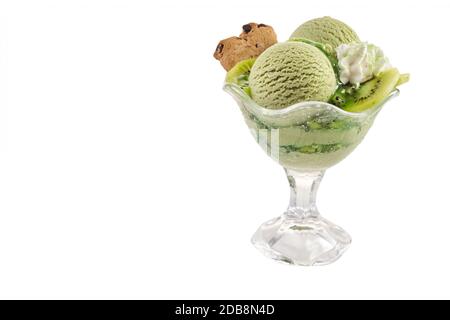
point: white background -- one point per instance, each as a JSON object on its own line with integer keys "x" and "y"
{"x": 126, "y": 171}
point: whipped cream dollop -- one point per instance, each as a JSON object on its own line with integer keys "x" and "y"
{"x": 359, "y": 62}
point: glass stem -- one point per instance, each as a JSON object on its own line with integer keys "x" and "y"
{"x": 304, "y": 187}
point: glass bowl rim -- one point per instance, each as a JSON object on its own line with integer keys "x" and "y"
{"x": 237, "y": 90}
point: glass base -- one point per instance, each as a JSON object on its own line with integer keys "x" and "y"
{"x": 304, "y": 241}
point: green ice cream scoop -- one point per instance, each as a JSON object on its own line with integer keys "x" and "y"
{"x": 326, "y": 30}
{"x": 289, "y": 73}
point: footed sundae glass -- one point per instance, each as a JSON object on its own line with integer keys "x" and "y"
{"x": 306, "y": 139}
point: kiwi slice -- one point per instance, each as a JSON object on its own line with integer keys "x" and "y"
{"x": 369, "y": 94}
{"x": 404, "y": 78}
{"x": 239, "y": 74}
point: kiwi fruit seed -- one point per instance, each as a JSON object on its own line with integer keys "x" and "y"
{"x": 239, "y": 74}
{"x": 369, "y": 94}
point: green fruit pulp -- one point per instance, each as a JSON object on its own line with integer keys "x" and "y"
{"x": 239, "y": 74}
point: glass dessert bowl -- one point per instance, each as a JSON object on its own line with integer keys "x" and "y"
{"x": 305, "y": 139}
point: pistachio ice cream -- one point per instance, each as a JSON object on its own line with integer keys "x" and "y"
{"x": 289, "y": 73}
{"x": 327, "y": 31}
